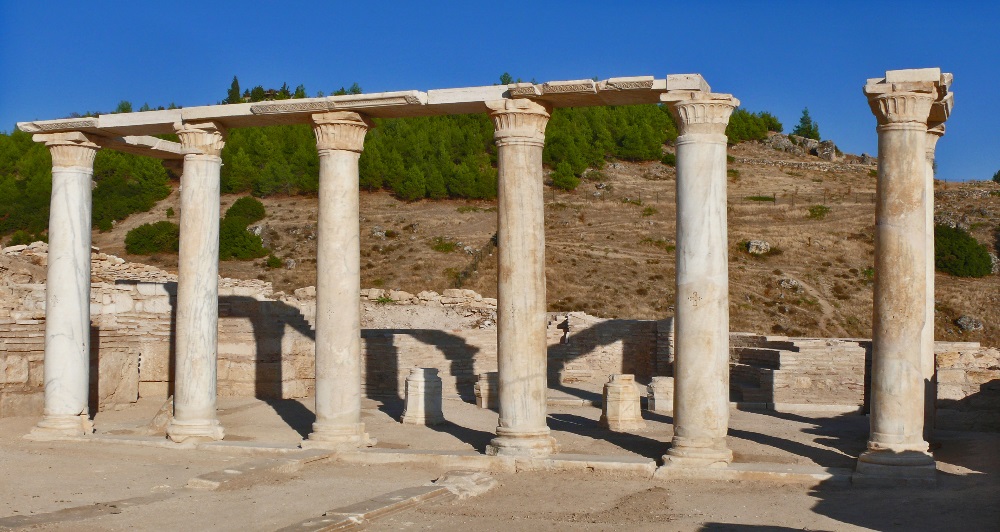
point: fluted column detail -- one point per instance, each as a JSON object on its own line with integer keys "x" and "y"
{"x": 67, "y": 289}
{"x": 521, "y": 343}
{"x": 340, "y": 139}
{"x": 197, "y": 323}
{"x": 701, "y": 337}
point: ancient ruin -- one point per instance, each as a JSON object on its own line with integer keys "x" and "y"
{"x": 317, "y": 340}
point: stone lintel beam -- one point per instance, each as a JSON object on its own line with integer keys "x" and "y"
{"x": 397, "y": 104}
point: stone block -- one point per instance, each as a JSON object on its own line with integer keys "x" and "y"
{"x": 487, "y": 389}
{"x": 21, "y": 404}
{"x": 661, "y": 395}
{"x": 423, "y": 397}
{"x": 950, "y": 392}
{"x": 913, "y": 75}
{"x": 154, "y": 389}
{"x": 951, "y": 376}
{"x": 154, "y": 360}
{"x": 687, "y": 82}
{"x": 117, "y": 377}
{"x": 620, "y": 409}
{"x": 14, "y": 369}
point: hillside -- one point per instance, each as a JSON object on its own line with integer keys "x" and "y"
{"x": 614, "y": 258}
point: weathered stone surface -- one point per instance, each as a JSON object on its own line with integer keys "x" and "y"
{"x": 758, "y": 247}
{"x": 620, "y": 409}
{"x": 423, "y": 397}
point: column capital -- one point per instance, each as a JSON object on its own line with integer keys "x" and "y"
{"x": 69, "y": 149}
{"x": 703, "y": 113}
{"x": 901, "y": 107}
{"x": 520, "y": 121}
{"x": 207, "y": 138}
{"x": 910, "y": 97}
{"x": 934, "y": 133}
{"x": 341, "y": 130}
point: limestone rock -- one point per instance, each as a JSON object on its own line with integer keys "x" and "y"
{"x": 827, "y": 150}
{"x": 758, "y": 247}
{"x": 969, "y": 324}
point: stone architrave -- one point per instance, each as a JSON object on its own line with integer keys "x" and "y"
{"x": 521, "y": 320}
{"x": 67, "y": 289}
{"x": 621, "y": 409}
{"x": 701, "y": 366}
{"x": 197, "y": 323}
{"x": 423, "y": 398}
{"x": 340, "y": 137}
{"x": 486, "y": 388}
{"x": 661, "y": 395}
{"x": 896, "y": 447}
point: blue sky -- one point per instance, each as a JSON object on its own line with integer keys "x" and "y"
{"x": 60, "y": 57}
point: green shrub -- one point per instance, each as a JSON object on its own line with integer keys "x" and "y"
{"x": 996, "y": 177}
{"x": 385, "y": 300}
{"x": 760, "y": 198}
{"x": 669, "y": 159}
{"x": 649, "y": 211}
{"x": 443, "y": 245}
{"x": 23, "y": 238}
{"x": 564, "y": 178}
{"x": 248, "y": 208}
{"x": 170, "y": 212}
{"x": 273, "y": 262}
{"x": 159, "y": 237}
{"x": 235, "y": 242}
{"x": 958, "y": 253}
{"x": 733, "y": 173}
{"x": 818, "y": 212}
{"x": 872, "y": 173}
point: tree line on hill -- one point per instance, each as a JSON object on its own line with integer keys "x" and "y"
{"x": 414, "y": 158}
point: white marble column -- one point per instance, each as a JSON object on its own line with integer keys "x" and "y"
{"x": 197, "y": 325}
{"x": 521, "y": 344}
{"x": 897, "y": 410}
{"x": 67, "y": 289}
{"x": 701, "y": 338}
{"x": 340, "y": 138}
{"x": 935, "y": 132}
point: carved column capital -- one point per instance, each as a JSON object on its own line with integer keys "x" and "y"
{"x": 519, "y": 121}
{"x": 934, "y": 133}
{"x": 902, "y": 108}
{"x": 708, "y": 115}
{"x": 69, "y": 149}
{"x": 341, "y": 130}
{"x": 207, "y": 138}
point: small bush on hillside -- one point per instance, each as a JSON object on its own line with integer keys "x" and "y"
{"x": 996, "y": 177}
{"x": 23, "y": 238}
{"x": 442, "y": 245}
{"x": 669, "y": 159}
{"x": 248, "y": 208}
{"x": 159, "y": 237}
{"x": 170, "y": 212}
{"x": 273, "y": 262}
{"x": 818, "y": 212}
{"x": 958, "y": 253}
{"x": 235, "y": 242}
{"x": 649, "y": 211}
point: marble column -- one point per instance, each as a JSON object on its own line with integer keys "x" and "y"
{"x": 900, "y": 292}
{"x": 934, "y": 132}
{"x": 197, "y": 306}
{"x": 67, "y": 289}
{"x": 521, "y": 343}
{"x": 340, "y": 138}
{"x": 701, "y": 338}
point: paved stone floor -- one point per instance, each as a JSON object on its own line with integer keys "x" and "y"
{"x": 113, "y": 486}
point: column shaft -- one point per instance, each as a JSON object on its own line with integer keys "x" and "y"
{"x": 521, "y": 326}
{"x": 67, "y": 293}
{"x": 900, "y": 292}
{"x": 197, "y": 306}
{"x": 927, "y": 333}
{"x": 340, "y": 139}
{"x": 701, "y": 367}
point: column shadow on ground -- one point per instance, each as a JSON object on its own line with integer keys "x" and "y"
{"x": 586, "y": 427}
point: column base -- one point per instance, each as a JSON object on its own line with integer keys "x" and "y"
{"x": 523, "y": 443}
{"x": 887, "y": 468}
{"x": 682, "y": 453}
{"x": 619, "y": 425}
{"x": 63, "y": 426}
{"x": 420, "y": 419}
{"x": 338, "y": 437}
{"x": 203, "y": 430}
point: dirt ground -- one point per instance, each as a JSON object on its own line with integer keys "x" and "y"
{"x": 109, "y": 486}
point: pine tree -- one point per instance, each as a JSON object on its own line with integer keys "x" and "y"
{"x": 806, "y": 128}
{"x": 234, "y": 92}
{"x": 506, "y": 78}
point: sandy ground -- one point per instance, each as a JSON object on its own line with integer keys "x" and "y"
{"x": 91, "y": 486}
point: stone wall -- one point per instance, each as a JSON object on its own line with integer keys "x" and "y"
{"x": 968, "y": 387}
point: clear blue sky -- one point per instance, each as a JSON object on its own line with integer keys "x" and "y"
{"x": 60, "y": 57}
